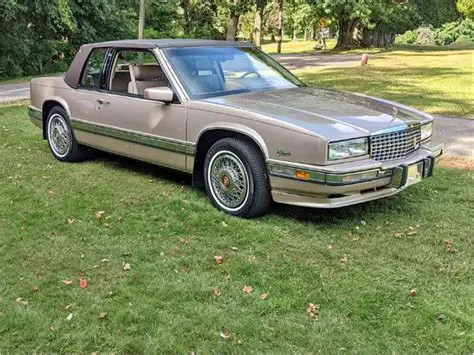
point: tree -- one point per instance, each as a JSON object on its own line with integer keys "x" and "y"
{"x": 380, "y": 19}
{"x": 280, "y": 24}
{"x": 466, "y": 7}
{"x": 235, "y": 8}
{"x": 259, "y": 12}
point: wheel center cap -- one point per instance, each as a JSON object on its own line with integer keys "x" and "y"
{"x": 225, "y": 181}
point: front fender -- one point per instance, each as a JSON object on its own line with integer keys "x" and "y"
{"x": 239, "y": 128}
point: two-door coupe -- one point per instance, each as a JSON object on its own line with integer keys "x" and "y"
{"x": 240, "y": 123}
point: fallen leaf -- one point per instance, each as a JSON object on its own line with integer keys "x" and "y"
{"x": 218, "y": 259}
{"x": 313, "y": 310}
{"x": 224, "y": 224}
{"x": 52, "y": 328}
{"x": 343, "y": 259}
{"x": 252, "y": 258}
{"x": 71, "y": 220}
{"x": 69, "y": 317}
{"x": 263, "y": 296}
{"x": 67, "y": 282}
{"x": 99, "y": 214}
{"x": 83, "y": 283}
{"x": 35, "y": 288}
{"x": 217, "y": 292}
{"x": 413, "y": 293}
{"x": 449, "y": 246}
{"x": 247, "y": 289}
{"x": 126, "y": 266}
{"x": 102, "y": 315}
{"x": 21, "y": 301}
{"x": 355, "y": 239}
{"x": 225, "y": 334}
{"x": 184, "y": 241}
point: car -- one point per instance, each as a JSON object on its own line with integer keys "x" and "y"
{"x": 242, "y": 125}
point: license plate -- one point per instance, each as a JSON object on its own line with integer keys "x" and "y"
{"x": 415, "y": 173}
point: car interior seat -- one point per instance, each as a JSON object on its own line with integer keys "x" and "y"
{"x": 146, "y": 76}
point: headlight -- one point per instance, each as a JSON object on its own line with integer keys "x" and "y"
{"x": 348, "y": 149}
{"x": 426, "y": 131}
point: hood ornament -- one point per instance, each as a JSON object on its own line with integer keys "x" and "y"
{"x": 395, "y": 112}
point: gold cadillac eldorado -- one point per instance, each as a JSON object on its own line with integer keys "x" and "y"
{"x": 241, "y": 124}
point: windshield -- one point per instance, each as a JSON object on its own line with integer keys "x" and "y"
{"x": 216, "y": 71}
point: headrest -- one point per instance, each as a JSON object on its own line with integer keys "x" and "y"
{"x": 147, "y": 72}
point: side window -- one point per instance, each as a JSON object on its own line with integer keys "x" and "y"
{"x": 134, "y": 71}
{"x": 91, "y": 75}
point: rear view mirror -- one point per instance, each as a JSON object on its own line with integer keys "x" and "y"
{"x": 163, "y": 93}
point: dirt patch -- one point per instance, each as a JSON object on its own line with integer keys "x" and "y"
{"x": 456, "y": 163}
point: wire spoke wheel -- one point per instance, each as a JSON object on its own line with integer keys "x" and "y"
{"x": 59, "y": 135}
{"x": 228, "y": 180}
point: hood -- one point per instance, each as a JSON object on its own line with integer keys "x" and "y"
{"x": 332, "y": 114}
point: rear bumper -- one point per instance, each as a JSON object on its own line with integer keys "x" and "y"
{"x": 347, "y": 184}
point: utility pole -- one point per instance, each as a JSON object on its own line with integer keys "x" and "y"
{"x": 141, "y": 19}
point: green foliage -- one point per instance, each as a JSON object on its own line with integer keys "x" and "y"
{"x": 434, "y": 12}
{"x": 466, "y": 7}
{"x": 425, "y": 36}
{"x": 458, "y": 31}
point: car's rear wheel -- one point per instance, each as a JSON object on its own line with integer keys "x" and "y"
{"x": 236, "y": 178}
{"x": 61, "y": 140}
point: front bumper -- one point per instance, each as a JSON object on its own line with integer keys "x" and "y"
{"x": 346, "y": 184}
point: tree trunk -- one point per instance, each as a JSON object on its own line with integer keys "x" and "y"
{"x": 350, "y": 34}
{"x": 187, "y": 22}
{"x": 314, "y": 33}
{"x": 232, "y": 29}
{"x": 378, "y": 37}
{"x": 280, "y": 25}
{"x": 257, "y": 32}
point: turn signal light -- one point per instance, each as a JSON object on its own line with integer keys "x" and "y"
{"x": 303, "y": 175}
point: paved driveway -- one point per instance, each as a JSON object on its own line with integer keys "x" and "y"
{"x": 457, "y": 134}
{"x": 13, "y": 92}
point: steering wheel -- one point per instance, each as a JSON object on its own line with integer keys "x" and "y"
{"x": 244, "y": 75}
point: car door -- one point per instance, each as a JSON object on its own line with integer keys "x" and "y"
{"x": 82, "y": 102}
{"x": 132, "y": 125}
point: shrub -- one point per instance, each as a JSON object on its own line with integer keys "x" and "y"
{"x": 409, "y": 37}
{"x": 462, "y": 31}
{"x": 421, "y": 36}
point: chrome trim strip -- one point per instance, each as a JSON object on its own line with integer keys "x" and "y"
{"x": 152, "y": 141}
{"x": 321, "y": 177}
{"x": 35, "y": 113}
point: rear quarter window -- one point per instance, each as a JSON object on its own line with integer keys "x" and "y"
{"x": 92, "y": 73}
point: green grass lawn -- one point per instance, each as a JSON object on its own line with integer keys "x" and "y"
{"x": 359, "y": 264}
{"x": 438, "y": 81}
{"x": 299, "y": 46}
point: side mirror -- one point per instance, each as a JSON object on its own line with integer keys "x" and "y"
{"x": 162, "y": 93}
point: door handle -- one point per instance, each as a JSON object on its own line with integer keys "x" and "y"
{"x": 103, "y": 102}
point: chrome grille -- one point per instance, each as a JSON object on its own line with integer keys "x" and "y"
{"x": 395, "y": 145}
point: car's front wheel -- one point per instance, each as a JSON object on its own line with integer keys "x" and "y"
{"x": 236, "y": 178}
{"x": 61, "y": 140}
